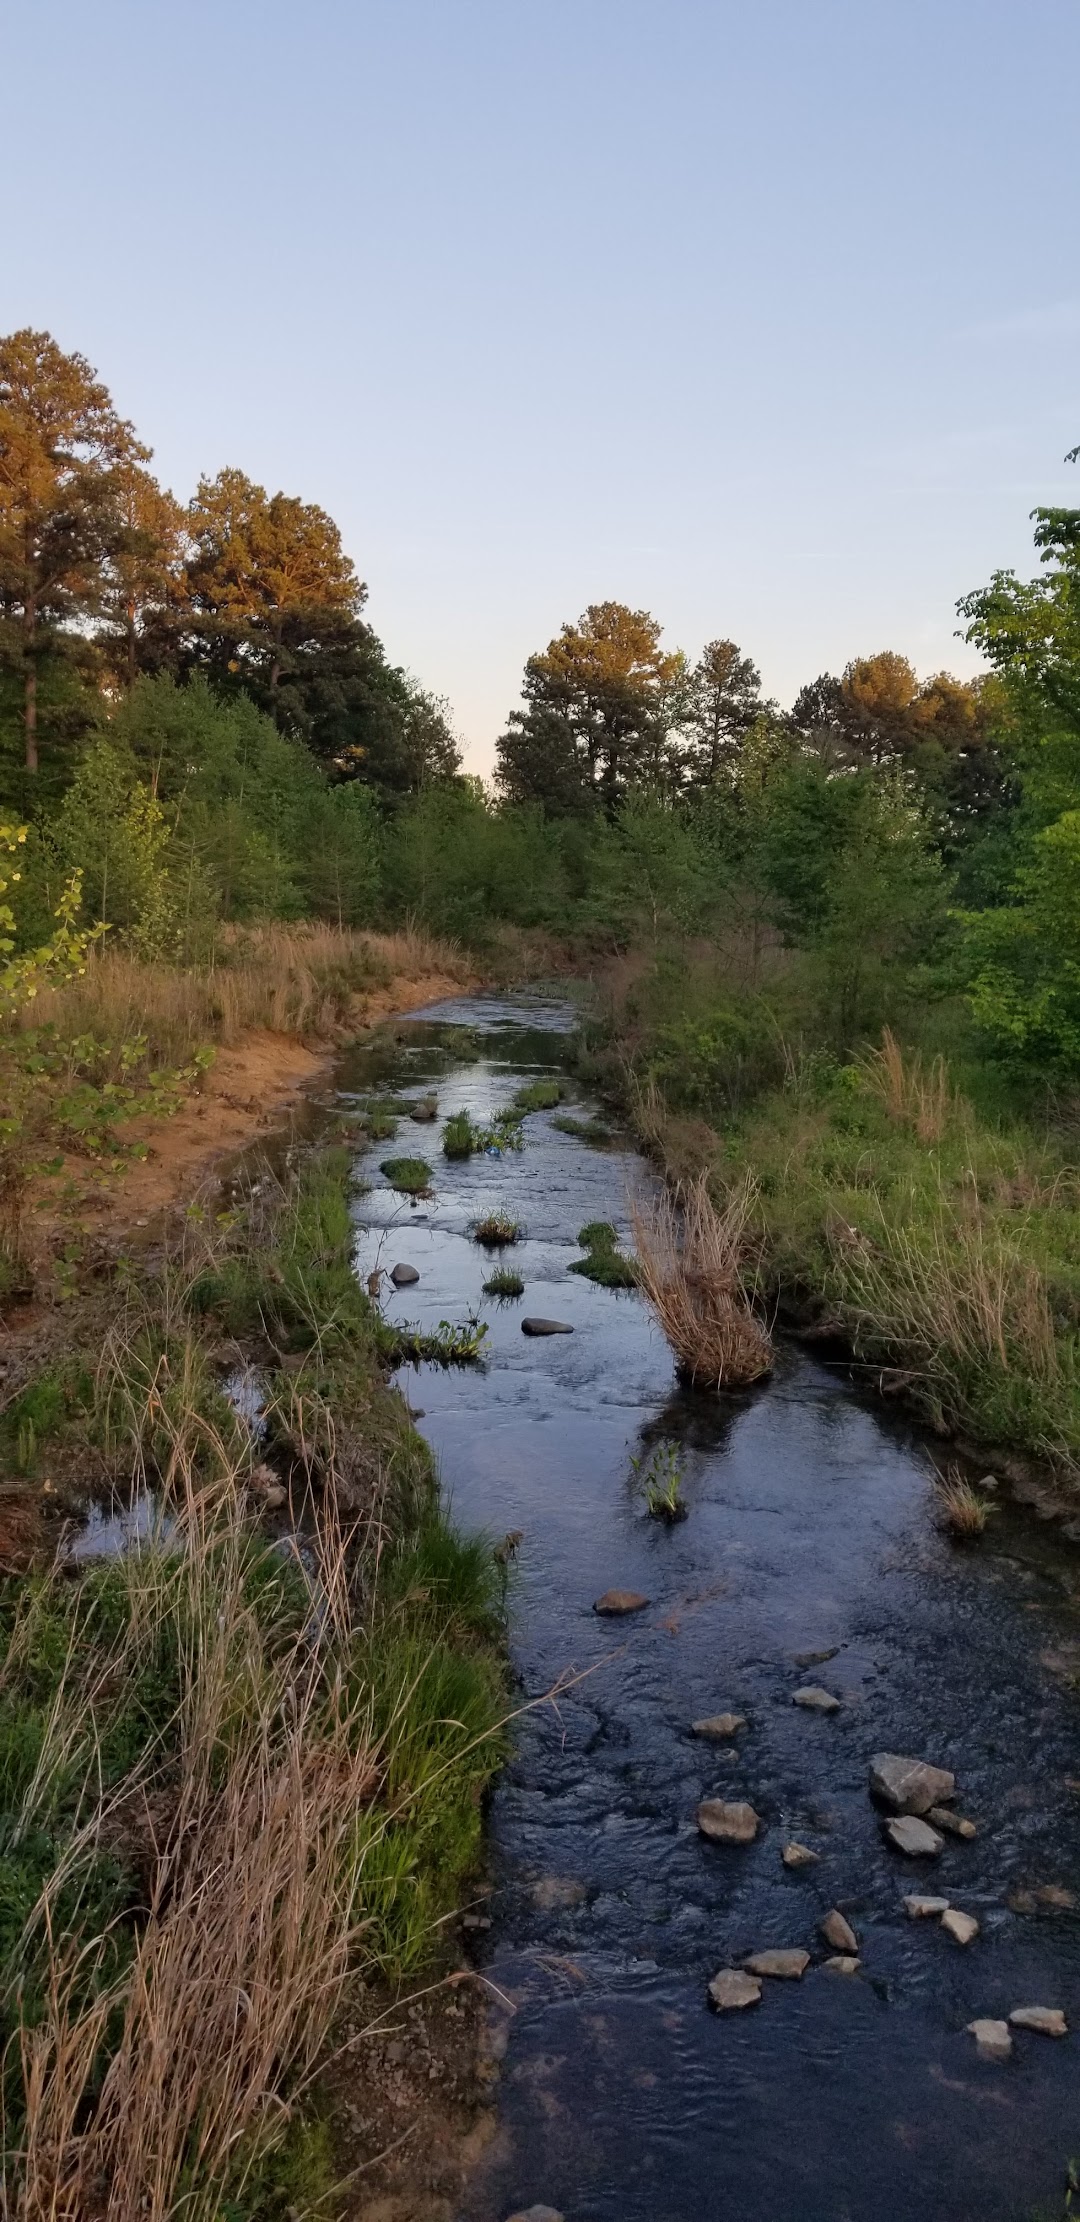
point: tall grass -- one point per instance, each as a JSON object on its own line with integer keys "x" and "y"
{"x": 689, "y": 1265}
{"x": 917, "y": 1096}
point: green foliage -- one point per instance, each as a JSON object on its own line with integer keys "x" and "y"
{"x": 412, "y": 1175}
{"x": 504, "y": 1284}
{"x": 604, "y": 1262}
{"x": 539, "y": 1095}
{"x": 497, "y": 1230}
{"x": 660, "y": 1474}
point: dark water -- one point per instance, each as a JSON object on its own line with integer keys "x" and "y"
{"x": 810, "y": 1526}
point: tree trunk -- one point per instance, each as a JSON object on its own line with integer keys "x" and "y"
{"x": 30, "y": 714}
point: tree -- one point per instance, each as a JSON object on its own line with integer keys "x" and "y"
{"x": 267, "y": 580}
{"x": 598, "y": 710}
{"x": 724, "y": 698}
{"x": 145, "y": 581}
{"x": 62, "y": 446}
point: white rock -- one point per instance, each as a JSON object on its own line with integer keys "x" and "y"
{"x": 962, "y": 1926}
{"x": 912, "y": 1837}
{"x": 727, "y": 1824}
{"x": 816, "y": 1701}
{"x": 786, "y": 1966}
{"x": 1049, "y": 2021}
{"x": 838, "y": 1932}
{"x": 925, "y": 1909}
{"x": 992, "y": 2038}
{"x": 843, "y": 1963}
{"x": 909, "y": 1785}
{"x": 732, "y": 1988}
{"x": 719, "y": 1726}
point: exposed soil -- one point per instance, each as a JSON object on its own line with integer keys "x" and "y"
{"x": 412, "y": 2098}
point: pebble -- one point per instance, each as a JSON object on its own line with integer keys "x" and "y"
{"x": 913, "y": 1837}
{"x": 816, "y": 1701}
{"x": 620, "y": 1600}
{"x": 925, "y": 1909}
{"x": 953, "y": 1824}
{"x": 727, "y": 1824}
{"x": 536, "y": 2214}
{"x": 403, "y": 1276}
{"x": 800, "y": 1855}
{"x": 546, "y": 1327}
{"x": 815, "y": 1658}
{"x": 731, "y": 1988}
{"x": 909, "y": 1785}
{"x": 838, "y": 1932}
{"x": 1049, "y": 2021}
{"x": 719, "y": 1726}
{"x": 787, "y": 1967}
{"x": 992, "y": 2038}
{"x": 843, "y": 1963}
{"x": 962, "y": 1926}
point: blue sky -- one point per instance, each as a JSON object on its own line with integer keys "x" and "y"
{"x": 763, "y": 316}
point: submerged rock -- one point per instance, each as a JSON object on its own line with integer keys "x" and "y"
{"x": 953, "y": 1824}
{"x": 992, "y": 2038}
{"x": 925, "y": 1909}
{"x": 843, "y": 1963}
{"x": 800, "y": 1855}
{"x": 1049, "y": 2021}
{"x": 546, "y": 1327}
{"x": 913, "y": 1837}
{"x": 784, "y": 1966}
{"x": 961, "y": 1926}
{"x": 732, "y": 1988}
{"x": 838, "y": 1932}
{"x": 535, "y": 2214}
{"x": 620, "y": 1600}
{"x": 404, "y": 1276}
{"x": 909, "y": 1785}
{"x": 805, "y": 1659}
{"x": 816, "y": 1701}
{"x": 718, "y": 1727}
{"x": 724, "y": 1823}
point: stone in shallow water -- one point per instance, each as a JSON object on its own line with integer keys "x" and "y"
{"x": 536, "y": 2214}
{"x": 620, "y": 1600}
{"x": 546, "y": 1327}
{"x": 913, "y": 1837}
{"x": 843, "y": 1963}
{"x": 719, "y": 1726}
{"x": 815, "y": 1658}
{"x": 1048, "y": 2020}
{"x": 909, "y": 1785}
{"x": 962, "y": 1926}
{"x": 953, "y": 1824}
{"x": 992, "y": 2038}
{"x": 814, "y": 1700}
{"x": 925, "y": 1909}
{"x": 726, "y": 1823}
{"x": 786, "y": 1966}
{"x": 800, "y": 1855}
{"x": 838, "y": 1932}
{"x": 403, "y": 1276}
{"x": 731, "y": 1988}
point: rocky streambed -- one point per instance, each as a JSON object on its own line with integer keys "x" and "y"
{"x": 882, "y": 1944}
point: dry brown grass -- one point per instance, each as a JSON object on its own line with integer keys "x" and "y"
{"x": 955, "y": 1286}
{"x": 690, "y": 1257}
{"x": 960, "y": 1507}
{"x": 308, "y": 981}
{"x": 920, "y": 1098}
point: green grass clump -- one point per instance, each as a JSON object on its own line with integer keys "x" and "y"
{"x": 592, "y": 1131}
{"x": 496, "y": 1230}
{"x": 604, "y": 1262}
{"x": 504, "y": 1283}
{"x": 380, "y": 1126}
{"x": 539, "y": 1095}
{"x": 412, "y": 1175}
{"x": 661, "y": 1477}
{"x": 460, "y": 1136}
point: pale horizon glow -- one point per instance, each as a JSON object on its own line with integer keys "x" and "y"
{"x": 763, "y": 319}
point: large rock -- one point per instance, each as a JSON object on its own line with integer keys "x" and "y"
{"x": 800, "y": 1855}
{"x": 909, "y": 1785}
{"x": 546, "y": 1327}
{"x": 732, "y": 1988}
{"x": 726, "y": 1823}
{"x": 404, "y": 1276}
{"x": 951, "y": 1824}
{"x": 814, "y": 1700}
{"x": 838, "y": 1932}
{"x": 925, "y": 1909}
{"x": 992, "y": 2038}
{"x": 1048, "y": 2020}
{"x": 962, "y": 1927}
{"x": 913, "y": 1837}
{"x": 718, "y": 1727}
{"x": 620, "y": 1600}
{"x": 786, "y": 1967}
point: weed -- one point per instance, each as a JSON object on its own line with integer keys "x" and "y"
{"x": 661, "y": 1476}
{"x": 604, "y": 1262}
{"x": 960, "y": 1507}
{"x": 504, "y": 1283}
{"x": 412, "y": 1175}
{"x": 689, "y": 1260}
{"x": 497, "y": 1230}
{"x": 592, "y": 1131}
{"x": 446, "y": 1345}
{"x": 460, "y": 1136}
{"x": 539, "y": 1095}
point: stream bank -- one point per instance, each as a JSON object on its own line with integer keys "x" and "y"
{"x": 810, "y": 1536}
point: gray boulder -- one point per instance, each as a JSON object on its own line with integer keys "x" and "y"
{"x": 546, "y": 1327}
{"x": 909, "y": 1785}
{"x": 913, "y": 1837}
{"x": 403, "y": 1276}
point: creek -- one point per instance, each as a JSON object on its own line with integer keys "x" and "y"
{"x": 810, "y": 1530}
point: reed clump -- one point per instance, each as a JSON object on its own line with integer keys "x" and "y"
{"x": 960, "y": 1508}
{"x": 689, "y": 1265}
{"x": 916, "y": 1095}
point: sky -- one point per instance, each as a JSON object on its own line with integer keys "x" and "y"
{"x": 762, "y": 316}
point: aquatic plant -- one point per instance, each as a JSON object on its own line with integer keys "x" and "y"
{"x": 460, "y": 1136}
{"x": 661, "y": 1475}
{"x": 412, "y": 1175}
{"x": 960, "y": 1507}
{"x": 604, "y": 1262}
{"x": 592, "y": 1131}
{"x": 496, "y": 1230}
{"x": 504, "y": 1283}
{"x": 540, "y": 1095}
{"x": 689, "y": 1260}
{"x": 447, "y": 1345}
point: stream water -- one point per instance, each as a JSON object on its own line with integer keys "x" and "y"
{"x": 810, "y": 1530}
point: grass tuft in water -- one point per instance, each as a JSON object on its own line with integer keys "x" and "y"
{"x": 504, "y": 1283}
{"x": 592, "y": 1131}
{"x": 960, "y": 1507}
{"x": 604, "y": 1262}
{"x": 540, "y": 1095}
{"x": 661, "y": 1475}
{"x": 412, "y": 1175}
{"x": 496, "y": 1230}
